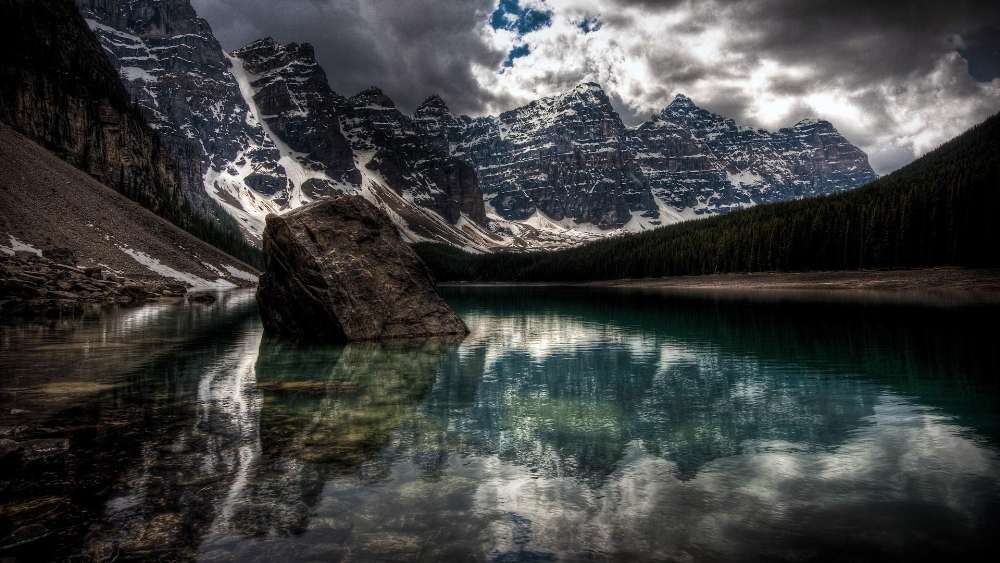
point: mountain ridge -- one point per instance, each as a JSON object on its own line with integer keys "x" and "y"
{"x": 694, "y": 161}
{"x": 555, "y": 172}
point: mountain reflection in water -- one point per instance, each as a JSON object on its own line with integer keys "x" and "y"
{"x": 571, "y": 424}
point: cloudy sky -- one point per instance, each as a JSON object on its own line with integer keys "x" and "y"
{"x": 897, "y": 78}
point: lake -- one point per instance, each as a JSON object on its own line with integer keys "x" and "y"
{"x": 572, "y": 424}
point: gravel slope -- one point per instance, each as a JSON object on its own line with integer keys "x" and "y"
{"x": 46, "y": 204}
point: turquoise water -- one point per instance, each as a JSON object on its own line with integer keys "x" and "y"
{"x": 571, "y": 424}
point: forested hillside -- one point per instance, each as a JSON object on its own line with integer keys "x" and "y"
{"x": 939, "y": 210}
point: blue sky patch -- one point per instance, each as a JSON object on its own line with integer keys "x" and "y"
{"x": 590, "y": 24}
{"x": 511, "y": 16}
{"x": 981, "y": 50}
{"x": 519, "y": 51}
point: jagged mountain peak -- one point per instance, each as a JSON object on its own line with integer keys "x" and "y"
{"x": 682, "y": 100}
{"x": 150, "y": 18}
{"x": 684, "y": 107}
{"x": 586, "y": 97}
{"x": 433, "y": 100}
{"x": 591, "y": 92}
{"x": 268, "y": 47}
{"x": 814, "y": 123}
{"x": 588, "y": 86}
{"x": 263, "y": 42}
{"x": 433, "y": 108}
{"x": 526, "y": 175}
{"x": 682, "y": 104}
{"x": 372, "y": 96}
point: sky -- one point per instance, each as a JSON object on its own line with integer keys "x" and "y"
{"x": 896, "y": 78}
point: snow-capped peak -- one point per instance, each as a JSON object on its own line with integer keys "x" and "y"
{"x": 587, "y": 87}
{"x": 680, "y": 100}
{"x": 812, "y": 122}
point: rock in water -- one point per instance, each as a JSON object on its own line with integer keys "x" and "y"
{"x": 337, "y": 270}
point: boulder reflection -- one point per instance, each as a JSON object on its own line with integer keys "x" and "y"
{"x": 325, "y": 411}
{"x": 338, "y": 405}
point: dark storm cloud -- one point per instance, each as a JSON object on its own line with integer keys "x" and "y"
{"x": 410, "y": 49}
{"x": 848, "y": 42}
{"x": 858, "y": 41}
{"x": 982, "y": 49}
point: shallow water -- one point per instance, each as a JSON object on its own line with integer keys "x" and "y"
{"x": 571, "y": 424}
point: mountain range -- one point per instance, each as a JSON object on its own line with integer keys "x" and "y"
{"x": 936, "y": 211}
{"x": 260, "y": 131}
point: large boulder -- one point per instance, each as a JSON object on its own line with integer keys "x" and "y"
{"x": 337, "y": 270}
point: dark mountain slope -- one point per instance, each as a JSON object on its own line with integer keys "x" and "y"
{"x": 939, "y": 210}
{"x": 48, "y": 204}
{"x": 59, "y": 89}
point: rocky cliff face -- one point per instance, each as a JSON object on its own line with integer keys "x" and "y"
{"x": 759, "y": 166}
{"x": 440, "y": 128}
{"x": 682, "y": 172}
{"x": 363, "y": 144}
{"x": 392, "y": 145}
{"x": 59, "y": 90}
{"x": 179, "y": 77}
{"x": 566, "y": 156}
{"x": 291, "y": 93}
{"x": 338, "y": 270}
{"x": 571, "y": 159}
{"x": 259, "y": 131}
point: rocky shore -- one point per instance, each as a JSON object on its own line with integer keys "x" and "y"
{"x": 945, "y": 285}
{"x": 36, "y": 286}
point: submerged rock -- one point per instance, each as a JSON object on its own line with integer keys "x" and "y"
{"x": 337, "y": 270}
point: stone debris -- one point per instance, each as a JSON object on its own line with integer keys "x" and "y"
{"x": 33, "y": 286}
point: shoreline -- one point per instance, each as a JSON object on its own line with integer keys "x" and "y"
{"x": 965, "y": 284}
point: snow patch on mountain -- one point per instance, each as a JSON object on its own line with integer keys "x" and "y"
{"x": 744, "y": 178}
{"x": 239, "y": 274}
{"x": 194, "y": 282}
{"x": 18, "y": 246}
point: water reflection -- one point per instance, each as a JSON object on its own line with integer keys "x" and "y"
{"x": 568, "y": 425}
